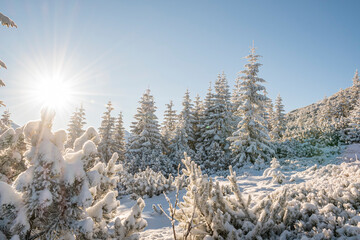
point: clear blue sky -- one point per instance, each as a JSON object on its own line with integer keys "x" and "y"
{"x": 119, "y": 48}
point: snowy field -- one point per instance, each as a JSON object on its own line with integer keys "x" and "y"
{"x": 255, "y": 183}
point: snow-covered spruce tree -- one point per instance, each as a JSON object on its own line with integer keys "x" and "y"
{"x": 198, "y": 114}
{"x": 330, "y": 136}
{"x": 145, "y": 145}
{"x": 354, "y": 117}
{"x": 187, "y": 117}
{"x": 355, "y": 79}
{"x": 179, "y": 145}
{"x": 41, "y": 184}
{"x": 169, "y": 126}
{"x": 12, "y": 149}
{"x": 354, "y": 124}
{"x": 75, "y": 127}
{"x": 63, "y": 197}
{"x": 278, "y": 122}
{"x": 5, "y": 119}
{"x": 5, "y": 21}
{"x": 236, "y": 95}
{"x": 355, "y": 87}
{"x": 119, "y": 138}
{"x": 341, "y": 111}
{"x": 251, "y": 140}
{"x": 184, "y": 133}
{"x": 326, "y": 114}
{"x": 216, "y": 128}
{"x": 268, "y": 114}
{"x": 201, "y": 149}
{"x": 107, "y": 144}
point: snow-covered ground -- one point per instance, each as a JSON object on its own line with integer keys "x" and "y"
{"x": 250, "y": 181}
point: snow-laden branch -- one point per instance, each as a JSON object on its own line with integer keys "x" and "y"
{"x": 6, "y": 21}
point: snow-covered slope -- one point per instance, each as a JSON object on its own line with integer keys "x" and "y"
{"x": 319, "y": 173}
{"x": 314, "y": 109}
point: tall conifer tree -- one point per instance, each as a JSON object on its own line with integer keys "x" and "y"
{"x": 250, "y": 142}
{"x": 169, "y": 126}
{"x": 213, "y": 144}
{"x": 278, "y": 127}
{"x": 76, "y": 125}
{"x": 107, "y": 144}
{"x": 119, "y": 138}
{"x": 184, "y": 140}
{"x": 145, "y": 146}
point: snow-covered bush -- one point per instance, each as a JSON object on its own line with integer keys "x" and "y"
{"x": 61, "y": 196}
{"x": 332, "y": 137}
{"x": 295, "y": 148}
{"x": 208, "y": 212}
{"x": 89, "y": 134}
{"x": 308, "y": 149}
{"x": 274, "y": 172}
{"x": 145, "y": 183}
{"x": 325, "y": 207}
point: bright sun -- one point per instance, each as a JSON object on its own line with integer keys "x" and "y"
{"x": 57, "y": 81}
{"x": 54, "y": 92}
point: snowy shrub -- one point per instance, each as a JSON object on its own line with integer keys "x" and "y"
{"x": 145, "y": 183}
{"x": 332, "y": 137}
{"x": 61, "y": 196}
{"x": 89, "y": 134}
{"x": 259, "y": 163}
{"x": 274, "y": 172}
{"x": 325, "y": 207}
{"x": 295, "y": 148}
{"x": 206, "y": 209}
{"x": 322, "y": 208}
{"x": 308, "y": 149}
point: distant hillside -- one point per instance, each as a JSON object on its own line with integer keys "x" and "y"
{"x": 315, "y": 107}
{"x": 311, "y": 115}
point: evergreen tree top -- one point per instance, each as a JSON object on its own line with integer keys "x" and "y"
{"x": 109, "y": 106}
{"x": 5, "y": 118}
{"x": 252, "y": 68}
{"x": 186, "y": 113}
{"x": 356, "y": 78}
